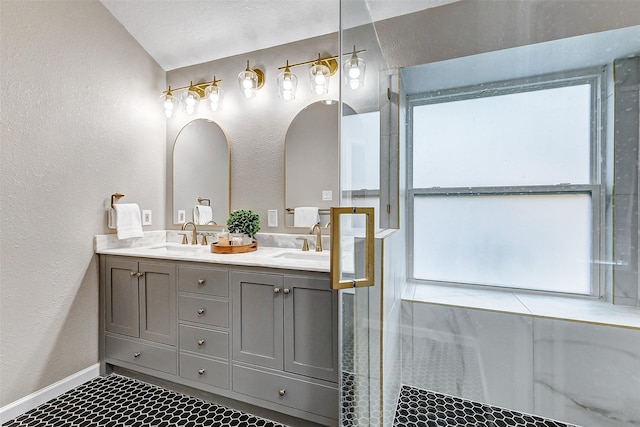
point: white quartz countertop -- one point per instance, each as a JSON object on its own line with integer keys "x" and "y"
{"x": 283, "y": 258}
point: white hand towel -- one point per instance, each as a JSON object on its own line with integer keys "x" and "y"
{"x": 305, "y": 216}
{"x": 127, "y": 220}
{"x": 202, "y": 214}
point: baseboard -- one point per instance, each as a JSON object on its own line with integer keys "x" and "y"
{"x": 27, "y": 403}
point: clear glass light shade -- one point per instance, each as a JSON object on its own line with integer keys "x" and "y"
{"x": 214, "y": 95}
{"x": 287, "y": 84}
{"x": 169, "y": 104}
{"x": 190, "y": 102}
{"x": 319, "y": 75}
{"x": 353, "y": 70}
{"x": 248, "y": 82}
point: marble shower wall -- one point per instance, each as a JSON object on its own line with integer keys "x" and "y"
{"x": 574, "y": 372}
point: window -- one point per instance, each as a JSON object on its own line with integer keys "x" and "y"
{"x": 505, "y": 184}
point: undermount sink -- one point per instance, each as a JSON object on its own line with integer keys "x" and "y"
{"x": 304, "y": 256}
{"x": 182, "y": 248}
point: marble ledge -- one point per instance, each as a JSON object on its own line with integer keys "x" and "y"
{"x": 560, "y": 307}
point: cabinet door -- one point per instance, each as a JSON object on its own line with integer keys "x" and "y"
{"x": 310, "y": 328}
{"x": 158, "y": 293}
{"x": 257, "y": 318}
{"x": 121, "y": 303}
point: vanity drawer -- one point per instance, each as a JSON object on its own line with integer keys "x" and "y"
{"x": 206, "y": 281}
{"x": 209, "y": 311}
{"x": 207, "y": 371}
{"x": 146, "y": 355}
{"x": 204, "y": 341}
{"x": 303, "y": 395}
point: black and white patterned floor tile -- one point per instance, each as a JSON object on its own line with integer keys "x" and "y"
{"x": 423, "y": 408}
{"x": 120, "y": 401}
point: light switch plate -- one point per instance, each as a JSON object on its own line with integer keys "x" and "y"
{"x": 272, "y": 218}
{"x": 327, "y": 195}
{"x": 146, "y": 217}
{"x": 181, "y": 217}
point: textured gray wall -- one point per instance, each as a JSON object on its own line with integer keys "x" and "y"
{"x": 79, "y": 122}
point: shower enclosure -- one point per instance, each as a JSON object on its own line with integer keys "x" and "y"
{"x": 497, "y": 143}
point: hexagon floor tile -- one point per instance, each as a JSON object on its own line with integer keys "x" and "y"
{"x": 120, "y": 401}
{"x": 417, "y": 407}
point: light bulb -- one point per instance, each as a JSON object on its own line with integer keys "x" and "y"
{"x": 354, "y": 83}
{"x": 247, "y": 83}
{"x": 286, "y": 84}
{"x": 248, "y": 92}
{"x": 287, "y": 95}
{"x": 354, "y": 72}
{"x": 319, "y": 79}
{"x": 318, "y": 89}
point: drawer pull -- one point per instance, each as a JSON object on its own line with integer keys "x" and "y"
{"x": 286, "y": 291}
{"x": 200, "y": 281}
{"x": 201, "y": 371}
{"x": 136, "y": 354}
{"x": 133, "y": 273}
{"x": 201, "y": 311}
{"x": 276, "y": 290}
{"x": 200, "y": 342}
{"x": 139, "y": 274}
{"x": 282, "y": 392}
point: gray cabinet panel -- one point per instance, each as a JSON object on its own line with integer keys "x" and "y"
{"x": 121, "y": 297}
{"x": 142, "y": 354}
{"x": 257, "y": 318}
{"x": 306, "y": 396}
{"x": 208, "y": 311}
{"x": 158, "y": 303}
{"x": 207, "y": 371}
{"x": 205, "y": 342}
{"x": 207, "y": 281}
{"x": 311, "y": 328}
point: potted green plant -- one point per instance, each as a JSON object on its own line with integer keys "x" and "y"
{"x": 244, "y": 221}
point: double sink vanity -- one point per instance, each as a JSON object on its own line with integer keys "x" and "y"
{"x": 258, "y": 327}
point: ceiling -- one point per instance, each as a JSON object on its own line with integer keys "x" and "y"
{"x": 181, "y": 33}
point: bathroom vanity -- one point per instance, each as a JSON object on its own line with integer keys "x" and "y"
{"x": 258, "y": 328}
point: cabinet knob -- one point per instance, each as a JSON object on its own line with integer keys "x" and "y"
{"x": 201, "y": 311}
{"x": 139, "y": 274}
{"x": 282, "y": 391}
{"x": 201, "y": 371}
{"x": 136, "y": 354}
{"x": 133, "y": 273}
{"x": 200, "y": 281}
{"x": 276, "y": 290}
{"x": 200, "y": 342}
{"x": 286, "y": 291}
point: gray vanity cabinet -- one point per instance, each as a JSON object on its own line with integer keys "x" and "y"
{"x": 141, "y": 300}
{"x": 258, "y": 334}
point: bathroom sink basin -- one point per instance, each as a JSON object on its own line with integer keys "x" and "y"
{"x": 304, "y": 256}
{"x": 182, "y": 249}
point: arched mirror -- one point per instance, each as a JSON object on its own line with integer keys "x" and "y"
{"x": 201, "y": 173}
{"x": 311, "y": 160}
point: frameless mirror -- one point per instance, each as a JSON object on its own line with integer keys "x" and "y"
{"x": 201, "y": 173}
{"x": 311, "y": 160}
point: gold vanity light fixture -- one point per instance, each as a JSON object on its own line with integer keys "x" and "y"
{"x": 191, "y": 97}
{"x": 354, "y": 69}
{"x": 250, "y": 81}
{"x": 321, "y": 71}
{"x": 287, "y": 84}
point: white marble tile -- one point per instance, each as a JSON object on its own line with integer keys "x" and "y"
{"x": 110, "y": 241}
{"x": 479, "y": 355}
{"x": 486, "y": 299}
{"x": 579, "y": 309}
{"x": 587, "y": 374}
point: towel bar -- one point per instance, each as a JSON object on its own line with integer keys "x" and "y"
{"x": 320, "y": 211}
{"x": 200, "y": 200}
{"x": 115, "y": 196}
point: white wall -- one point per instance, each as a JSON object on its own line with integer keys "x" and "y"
{"x": 79, "y": 122}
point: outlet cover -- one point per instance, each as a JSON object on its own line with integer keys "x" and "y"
{"x": 181, "y": 217}
{"x": 146, "y": 217}
{"x": 272, "y": 218}
{"x": 327, "y": 195}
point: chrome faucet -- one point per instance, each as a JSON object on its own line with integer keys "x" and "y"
{"x": 194, "y": 234}
{"x": 316, "y": 229}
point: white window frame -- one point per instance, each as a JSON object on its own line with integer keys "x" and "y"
{"x": 596, "y": 189}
